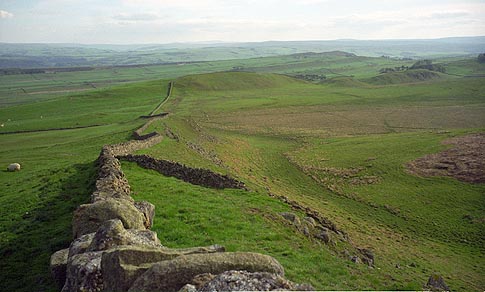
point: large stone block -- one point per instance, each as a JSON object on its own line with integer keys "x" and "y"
{"x": 174, "y": 274}
{"x": 89, "y": 217}
{"x": 123, "y": 265}
{"x": 84, "y": 273}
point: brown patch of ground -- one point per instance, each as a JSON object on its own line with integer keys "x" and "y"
{"x": 465, "y": 161}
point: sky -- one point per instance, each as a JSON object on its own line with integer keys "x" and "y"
{"x": 168, "y": 21}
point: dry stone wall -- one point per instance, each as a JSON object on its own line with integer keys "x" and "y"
{"x": 115, "y": 250}
{"x": 196, "y": 176}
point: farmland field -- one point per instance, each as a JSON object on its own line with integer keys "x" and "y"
{"x": 338, "y": 145}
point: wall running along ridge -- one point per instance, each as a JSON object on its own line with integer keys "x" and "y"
{"x": 115, "y": 250}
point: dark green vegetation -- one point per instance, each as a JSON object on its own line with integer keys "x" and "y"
{"x": 337, "y": 145}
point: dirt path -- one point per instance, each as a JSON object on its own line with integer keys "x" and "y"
{"x": 465, "y": 161}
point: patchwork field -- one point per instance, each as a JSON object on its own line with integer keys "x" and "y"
{"x": 338, "y": 146}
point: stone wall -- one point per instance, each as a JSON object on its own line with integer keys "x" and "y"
{"x": 115, "y": 250}
{"x": 196, "y": 176}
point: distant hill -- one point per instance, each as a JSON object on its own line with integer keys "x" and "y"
{"x": 409, "y": 76}
{"x": 74, "y": 55}
{"x": 233, "y": 81}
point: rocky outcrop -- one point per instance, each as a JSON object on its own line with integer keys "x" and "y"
{"x": 196, "y": 176}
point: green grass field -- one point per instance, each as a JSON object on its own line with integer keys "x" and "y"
{"x": 338, "y": 146}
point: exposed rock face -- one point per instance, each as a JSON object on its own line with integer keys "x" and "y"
{"x": 246, "y": 281}
{"x": 58, "y": 265}
{"x": 88, "y": 217}
{"x": 174, "y": 274}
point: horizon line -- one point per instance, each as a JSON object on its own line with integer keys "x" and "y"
{"x": 218, "y": 42}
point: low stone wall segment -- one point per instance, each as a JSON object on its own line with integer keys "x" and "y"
{"x": 196, "y": 176}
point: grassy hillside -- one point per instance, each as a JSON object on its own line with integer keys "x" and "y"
{"x": 58, "y": 173}
{"x": 26, "y": 88}
{"x": 341, "y": 150}
{"x": 336, "y": 146}
{"x": 408, "y": 76}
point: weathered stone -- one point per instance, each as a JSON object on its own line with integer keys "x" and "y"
{"x": 200, "y": 280}
{"x": 367, "y": 256}
{"x": 174, "y": 274}
{"x": 148, "y": 211}
{"x": 310, "y": 221}
{"x": 323, "y": 235}
{"x": 123, "y": 265}
{"x": 436, "y": 283}
{"x": 292, "y": 218}
{"x": 87, "y": 218}
{"x": 103, "y": 195}
{"x": 246, "y": 281}
{"x": 306, "y": 230}
{"x": 81, "y": 244}
{"x": 58, "y": 265}
{"x": 84, "y": 273}
{"x": 112, "y": 233}
{"x": 197, "y": 176}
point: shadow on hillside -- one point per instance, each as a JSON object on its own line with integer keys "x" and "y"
{"x": 44, "y": 229}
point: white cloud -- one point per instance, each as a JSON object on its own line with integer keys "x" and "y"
{"x": 5, "y": 14}
{"x": 137, "y": 16}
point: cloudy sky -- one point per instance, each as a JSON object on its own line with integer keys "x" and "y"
{"x": 166, "y": 21}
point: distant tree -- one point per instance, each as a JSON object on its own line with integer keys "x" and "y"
{"x": 481, "y": 58}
